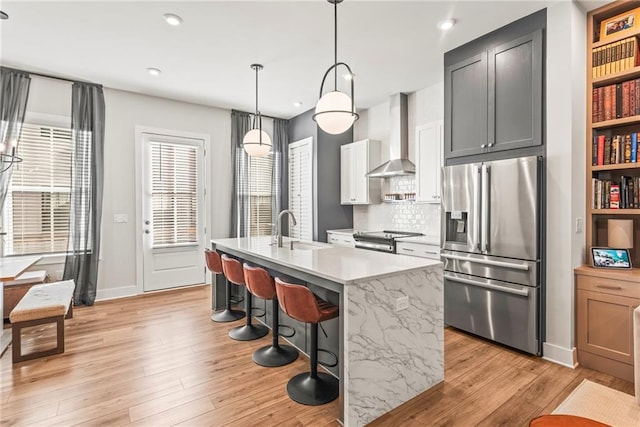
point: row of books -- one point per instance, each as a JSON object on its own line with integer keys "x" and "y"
{"x": 607, "y": 150}
{"x": 614, "y": 57}
{"x": 616, "y": 101}
{"x": 623, "y": 194}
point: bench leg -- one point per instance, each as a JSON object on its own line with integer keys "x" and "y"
{"x": 16, "y": 339}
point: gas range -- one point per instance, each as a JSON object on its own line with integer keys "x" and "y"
{"x": 382, "y": 241}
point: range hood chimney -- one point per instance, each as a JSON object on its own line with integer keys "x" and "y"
{"x": 398, "y": 142}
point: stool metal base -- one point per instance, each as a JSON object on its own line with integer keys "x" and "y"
{"x": 248, "y": 332}
{"x": 313, "y": 391}
{"x": 271, "y": 356}
{"x": 228, "y": 315}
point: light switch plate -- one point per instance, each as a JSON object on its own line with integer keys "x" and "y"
{"x": 120, "y": 218}
{"x": 402, "y": 303}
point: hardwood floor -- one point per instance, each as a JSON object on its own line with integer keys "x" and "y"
{"x": 157, "y": 359}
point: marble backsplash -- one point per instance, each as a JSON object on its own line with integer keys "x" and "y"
{"x": 411, "y": 216}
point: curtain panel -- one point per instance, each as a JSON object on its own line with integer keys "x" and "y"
{"x": 87, "y": 175}
{"x": 240, "y": 125}
{"x": 14, "y": 85}
{"x": 280, "y": 157}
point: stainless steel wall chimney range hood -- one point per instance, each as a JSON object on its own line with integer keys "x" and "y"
{"x": 398, "y": 142}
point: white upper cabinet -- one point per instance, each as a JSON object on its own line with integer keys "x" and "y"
{"x": 356, "y": 160}
{"x": 429, "y": 139}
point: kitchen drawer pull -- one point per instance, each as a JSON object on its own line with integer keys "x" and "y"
{"x": 613, "y": 288}
{"x": 523, "y": 267}
{"x": 523, "y": 292}
{"x": 431, "y": 253}
{"x": 407, "y": 249}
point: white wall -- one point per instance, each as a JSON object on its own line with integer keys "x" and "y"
{"x": 566, "y": 142}
{"x": 424, "y": 106}
{"x": 125, "y": 111}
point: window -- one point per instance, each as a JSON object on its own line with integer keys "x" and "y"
{"x": 174, "y": 194}
{"x": 36, "y": 212}
{"x": 260, "y": 221}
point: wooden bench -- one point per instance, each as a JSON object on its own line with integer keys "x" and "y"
{"x": 14, "y": 290}
{"x": 47, "y": 303}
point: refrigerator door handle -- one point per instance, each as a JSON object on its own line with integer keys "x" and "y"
{"x": 486, "y": 214}
{"x": 524, "y": 292}
{"x": 523, "y": 267}
{"x": 483, "y": 208}
{"x": 477, "y": 209}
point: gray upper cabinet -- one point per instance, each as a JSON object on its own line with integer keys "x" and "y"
{"x": 466, "y": 104}
{"x": 493, "y": 99}
{"x": 515, "y": 93}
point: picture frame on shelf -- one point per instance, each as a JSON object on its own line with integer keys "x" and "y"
{"x": 616, "y": 258}
{"x": 624, "y": 23}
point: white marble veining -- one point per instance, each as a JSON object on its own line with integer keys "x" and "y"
{"x": 336, "y": 263}
{"x": 392, "y": 356}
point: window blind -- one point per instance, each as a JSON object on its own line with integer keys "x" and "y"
{"x": 301, "y": 190}
{"x": 36, "y": 213}
{"x": 260, "y": 169}
{"x": 174, "y": 194}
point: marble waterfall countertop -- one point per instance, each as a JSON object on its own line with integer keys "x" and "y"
{"x": 336, "y": 263}
{"x": 391, "y": 323}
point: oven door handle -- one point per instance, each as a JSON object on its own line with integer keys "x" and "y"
{"x": 523, "y": 267}
{"x": 523, "y": 292}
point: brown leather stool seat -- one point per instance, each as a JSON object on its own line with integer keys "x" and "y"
{"x": 308, "y": 388}
{"x": 561, "y": 420}
{"x": 214, "y": 264}
{"x": 261, "y": 284}
{"x": 235, "y": 274}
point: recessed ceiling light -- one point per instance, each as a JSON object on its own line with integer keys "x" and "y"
{"x": 154, "y": 71}
{"x": 172, "y": 19}
{"x": 348, "y": 76}
{"x": 3, "y": 15}
{"x": 297, "y": 104}
{"x": 446, "y": 24}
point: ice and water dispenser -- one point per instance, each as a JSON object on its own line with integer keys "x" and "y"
{"x": 456, "y": 227}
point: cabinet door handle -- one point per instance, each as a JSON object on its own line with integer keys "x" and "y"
{"x": 614, "y": 288}
{"x": 491, "y": 144}
{"x": 483, "y": 146}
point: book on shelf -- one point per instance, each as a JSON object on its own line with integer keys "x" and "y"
{"x": 614, "y": 57}
{"x": 616, "y": 149}
{"x": 615, "y": 101}
{"x": 621, "y": 194}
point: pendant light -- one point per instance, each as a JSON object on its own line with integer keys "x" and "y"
{"x": 335, "y": 111}
{"x": 257, "y": 142}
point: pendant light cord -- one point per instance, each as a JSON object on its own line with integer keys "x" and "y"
{"x": 335, "y": 45}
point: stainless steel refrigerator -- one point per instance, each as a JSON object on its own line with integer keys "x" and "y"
{"x": 491, "y": 222}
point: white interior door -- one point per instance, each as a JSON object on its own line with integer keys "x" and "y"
{"x": 301, "y": 188}
{"x": 173, "y": 227}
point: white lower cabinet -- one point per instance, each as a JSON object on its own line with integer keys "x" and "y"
{"x": 341, "y": 239}
{"x": 421, "y": 250}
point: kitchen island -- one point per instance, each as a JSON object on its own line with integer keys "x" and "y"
{"x": 387, "y": 354}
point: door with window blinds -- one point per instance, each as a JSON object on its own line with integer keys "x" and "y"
{"x": 301, "y": 188}
{"x": 173, "y": 228}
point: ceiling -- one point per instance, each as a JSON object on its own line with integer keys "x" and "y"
{"x": 391, "y": 46}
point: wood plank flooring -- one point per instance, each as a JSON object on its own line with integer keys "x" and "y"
{"x": 157, "y": 359}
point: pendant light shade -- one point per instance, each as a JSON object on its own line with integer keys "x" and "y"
{"x": 256, "y": 142}
{"x": 335, "y": 111}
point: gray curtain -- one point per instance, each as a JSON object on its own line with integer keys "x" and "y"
{"x": 87, "y": 174}
{"x": 280, "y": 156}
{"x": 240, "y": 125}
{"x": 13, "y": 104}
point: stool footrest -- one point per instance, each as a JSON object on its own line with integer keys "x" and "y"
{"x": 293, "y": 331}
{"x": 328, "y": 365}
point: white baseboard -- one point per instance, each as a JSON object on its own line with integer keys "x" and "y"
{"x": 123, "y": 291}
{"x": 562, "y": 356}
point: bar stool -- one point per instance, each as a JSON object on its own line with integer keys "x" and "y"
{"x": 234, "y": 273}
{"x": 260, "y": 284}
{"x": 214, "y": 264}
{"x": 308, "y": 388}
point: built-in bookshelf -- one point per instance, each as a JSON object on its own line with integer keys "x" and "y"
{"x": 613, "y": 122}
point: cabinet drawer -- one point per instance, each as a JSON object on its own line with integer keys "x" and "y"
{"x": 418, "y": 249}
{"x": 342, "y": 240}
{"x": 609, "y": 286}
